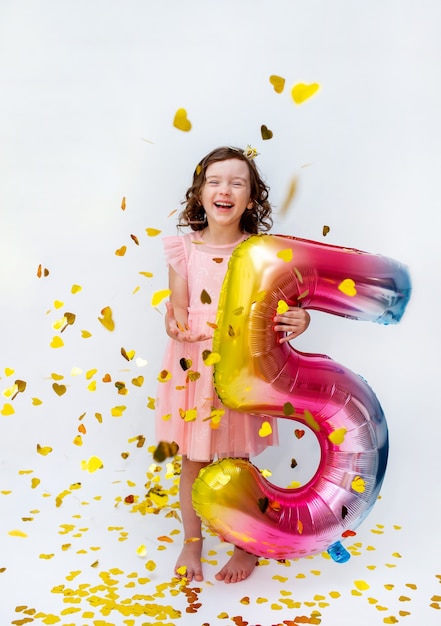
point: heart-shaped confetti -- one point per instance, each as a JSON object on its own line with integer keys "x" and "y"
{"x": 347, "y": 286}
{"x": 288, "y": 409}
{"x": 7, "y": 409}
{"x": 138, "y": 381}
{"x": 181, "y": 121}
{"x": 121, "y": 251}
{"x": 265, "y": 132}
{"x": 75, "y": 289}
{"x": 107, "y": 319}
{"x": 358, "y": 484}
{"x": 265, "y": 429}
{"x": 56, "y": 342}
{"x": 93, "y": 464}
{"x": 325, "y": 230}
{"x": 302, "y": 92}
{"x": 205, "y": 297}
{"x": 59, "y": 389}
{"x": 152, "y": 232}
{"x": 285, "y": 255}
{"x": 299, "y": 433}
{"x": 43, "y": 450}
{"x": 337, "y": 436}
{"x": 159, "y": 296}
{"x": 282, "y": 307}
{"x": 277, "y": 82}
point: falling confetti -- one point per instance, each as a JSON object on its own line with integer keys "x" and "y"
{"x": 347, "y": 286}
{"x": 107, "y": 319}
{"x": 152, "y": 232}
{"x": 205, "y": 297}
{"x": 265, "y": 132}
{"x": 43, "y": 450}
{"x": 93, "y": 464}
{"x": 159, "y": 296}
{"x": 42, "y": 271}
{"x": 265, "y": 429}
{"x": 285, "y": 255}
{"x": 289, "y": 197}
{"x": 337, "y": 436}
{"x": 165, "y": 450}
{"x": 282, "y": 307}
{"x": 181, "y": 121}
{"x": 358, "y": 484}
{"x": 326, "y": 230}
{"x": 277, "y": 82}
{"x": 121, "y": 251}
{"x": 302, "y": 92}
{"x": 128, "y": 355}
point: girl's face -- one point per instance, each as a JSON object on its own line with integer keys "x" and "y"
{"x": 225, "y": 194}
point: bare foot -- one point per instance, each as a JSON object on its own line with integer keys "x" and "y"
{"x": 188, "y": 564}
{"x": 239, "y": 567}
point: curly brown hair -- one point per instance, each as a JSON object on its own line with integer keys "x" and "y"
{"x": 254, "y": 220}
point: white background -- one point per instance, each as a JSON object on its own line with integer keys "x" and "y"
{"x": 89, "y": 91}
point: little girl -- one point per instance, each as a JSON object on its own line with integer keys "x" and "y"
{"x": 227, "y": 202}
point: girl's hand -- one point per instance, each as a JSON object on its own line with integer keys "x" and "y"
{"x": 294, "y": 322}
{"x": 179, "y": 331}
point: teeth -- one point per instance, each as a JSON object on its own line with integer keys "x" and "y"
{"x": 224, "y": 204}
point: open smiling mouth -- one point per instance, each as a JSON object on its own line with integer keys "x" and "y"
{"x": 223, "y": 205}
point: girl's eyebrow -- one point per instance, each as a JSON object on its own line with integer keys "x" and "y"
{"x": 233, "y": 178}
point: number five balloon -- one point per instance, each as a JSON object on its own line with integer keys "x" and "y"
{"x": 257, "y": 374}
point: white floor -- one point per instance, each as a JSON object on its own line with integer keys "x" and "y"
{"x": 93, "y": 558}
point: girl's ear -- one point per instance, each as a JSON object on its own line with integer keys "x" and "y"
{"x": 250, "y": 204}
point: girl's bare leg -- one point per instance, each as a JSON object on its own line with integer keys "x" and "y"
{"x": 239, "y": 567}
{"x": 188, "y": 564}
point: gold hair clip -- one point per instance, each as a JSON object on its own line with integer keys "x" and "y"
{"x": 250, "y": 152}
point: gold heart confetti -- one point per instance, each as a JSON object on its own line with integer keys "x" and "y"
{"x": 138, "y": 381}
{"x": 326, "y": 230}
{"x": 56, "y": 342}
{"x": 128, "y": 355}
{"x": 59, "y": 389}
{"x": 292, "y": 189}
{"x": 123, "y": 204}
{"x": 302, "y": 92}
{"x": 347, "y": 286}
{"x": 285, "y": 255}
{"x": 159, "y": 296}
{"x": 358, "y": 484}
{"x": 205, "y": 297}
{"x": 121, "y": 251}
{"x": 7, "y": 409}
{"x": 107, "y": 319}
{"x": 93, "y": 464}
{"x": 337, "y": 436}
{"x": 265, "y": 429}
{"x": 152, "y": 232}
{"x": 265, "y": 132}
{"x": 42, "y": 272}
{"x": 282, "y": 307}
{"x": 277, "y": 82}
{"x": 181, "y": 121}
{"x": 43, "y": 450}
{"x": 75, "y": 289}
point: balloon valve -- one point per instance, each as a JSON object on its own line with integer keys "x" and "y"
{"x": 338, "y": 552}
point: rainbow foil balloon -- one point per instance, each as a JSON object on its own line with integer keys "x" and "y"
{"x": 257, "y": 374}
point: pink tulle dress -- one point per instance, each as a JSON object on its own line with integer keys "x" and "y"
{"x": 187, "y": 407}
